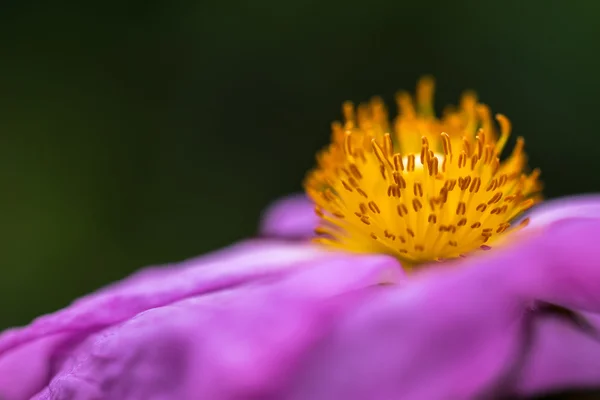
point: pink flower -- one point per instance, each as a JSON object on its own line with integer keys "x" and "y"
{"x": 276, "y": 318}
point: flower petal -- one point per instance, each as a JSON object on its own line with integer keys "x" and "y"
{"x": 459, "y": 330}
{"x": 291, "y": 217}
{"x": 563, "y": 265}
{"x": 581, "y": 206}
{"x": 562, "y": 356}
{"x": 445, "y": 335}
{"x": 238, "y": 343}
{"x": 228, "y": 270}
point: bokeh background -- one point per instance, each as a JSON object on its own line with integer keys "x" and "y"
{"x": 142, "y": 132}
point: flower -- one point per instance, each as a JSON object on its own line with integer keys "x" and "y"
{"x": 285, "y": 319}
{"x": 428, "y": 189}
{"x": 279, "y": 317}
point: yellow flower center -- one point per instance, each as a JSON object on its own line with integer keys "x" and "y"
{"x": 423, "y": 188}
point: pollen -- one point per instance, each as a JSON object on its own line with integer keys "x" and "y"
{"x": 420, "y": 188}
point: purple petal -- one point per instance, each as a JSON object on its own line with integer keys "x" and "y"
{"x": 292, "y": 217}
{"x": 445, "y": 335}
{"x": 581, "y": 206}
{"x": 219, "y": 346}
{"x": 563, "y": 355}
{"x": 24, "y": 369}
{"x": 155, "y": 322}
{"x": 563, "y": 265}
{"x": 154, "y": 287}
{"x": 459, "y": 330}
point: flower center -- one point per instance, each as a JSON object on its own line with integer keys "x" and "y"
{"x": 425, "y": 189}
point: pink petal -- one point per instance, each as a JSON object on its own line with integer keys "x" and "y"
{"x": 460, "y": 330}
{"x": 239, "y": 343}
{"x": 291, "y": 217}
{"x": 562, "y": 356}
{"x": 49, "y": 342}
{"x": 572, "y": 207}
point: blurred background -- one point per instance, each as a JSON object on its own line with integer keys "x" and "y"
{"x": 142, "y": 132}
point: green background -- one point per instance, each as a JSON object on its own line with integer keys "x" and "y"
{"x": 137, "y": 133}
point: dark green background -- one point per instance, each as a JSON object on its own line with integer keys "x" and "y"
{"x": 136, "y": 133}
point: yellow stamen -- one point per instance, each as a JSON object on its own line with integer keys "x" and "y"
{"x": 428, "y": 189}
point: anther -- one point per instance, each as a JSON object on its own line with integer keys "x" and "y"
{"x": 424, "y": 151}
{"x": 387, "y": 145}
{"x": 363, "y": 208}
{"x": 410, "y": 162}
{"x": 496, "y": 198}
{"x": 483, "y": 112}
{"x": 380, "y": 154}
{"x": 362, "y": 193}
{"x": 417, "y": 205}
{"x": 398, "y": 165}
{"x": 405, "y": 105}
{"x": 527, "y": 204}
{"x": 353, "y": 182}
{"x": 475, "y": 184}
{"x": 502, "y": 227}
{"x": 425, "y": 88}
{"x": 495, "y": 165}
{"x": 524, "y": 223}
{"x": 348, "y": 144}
{"x": 463, "y": 183}
{"x": 418, "y": 189}
{"x": 462, "y": 159}
{"x": 433, "y": 166}
{"x": 480, "y": 139}
{"x": 502, "y": 180}
{"x": 382, "y": 172}
{"x": 373, "y": 206}
{"x": 487, "y": 154}
{"x": 319, "y": 230}
{"x": 474, "y": 160}
{"x": 394, "y": 191}
{"x": 355, "y": 171}
{"x": 518, "y": 149}
{"x": 447, "y": 144}
{"x": 348, "y": 111}
{"x": 466, "y": 146}
{"x": 400, "y": 181}
{"x": 402, "y": 210}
